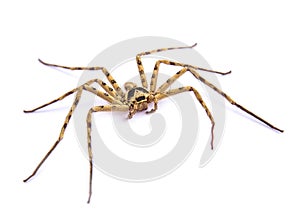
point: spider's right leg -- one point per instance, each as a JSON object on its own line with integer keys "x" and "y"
{"x": 89, "y": 129}
{"x": 61, "y": 135}
{"x": 79, "y": 90}
{"x": 86, "y": 86}
{"x": 103, "y": 69}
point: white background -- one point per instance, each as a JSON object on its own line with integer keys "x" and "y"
{"x": 255, "y": 170}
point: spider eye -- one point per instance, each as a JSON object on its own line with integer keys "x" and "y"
{"x": 140, "y": 98}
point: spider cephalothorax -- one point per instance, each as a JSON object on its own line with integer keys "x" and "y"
{"x": 136, "y": 98}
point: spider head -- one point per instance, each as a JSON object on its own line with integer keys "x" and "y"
{"x": 141, "y": 103}
{"x": 138, "y": 99}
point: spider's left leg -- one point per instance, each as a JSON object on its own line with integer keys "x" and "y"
{"x": 140, "y": 64}
{"x": 89, "y": 130}
{"x": 173, "y": 63}
{"x": 164, "y": 86}
{"x": 155, "y": 71}
{"x": 162, "y": 95}
{"x": 231, "y": 101}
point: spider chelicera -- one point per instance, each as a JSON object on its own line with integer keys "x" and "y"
{"x": 136, "y": 98}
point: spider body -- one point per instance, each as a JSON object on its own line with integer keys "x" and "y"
{"x": 136, "y": 98}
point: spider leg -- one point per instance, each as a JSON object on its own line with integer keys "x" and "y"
{"x": 162, "y": 95}
{"x": 103, "y": 69}
{"x": 171, "y": 80}
{"x": 79, "y": 90}
{"x": 155, "y": 101}
{"x": 108, "y": 89}
{"x": 163, "y": 87}
{"x": 156, "y": 67}
{"x": 193, "y": 69}
{"x": 89, "y": 129}
{"x": 111, "y": 98}
{"x": 61, "y": 135}
{"x": 230, "y": 100}
{"x": 173, "y": 63}
{"x": 140, "y": 64}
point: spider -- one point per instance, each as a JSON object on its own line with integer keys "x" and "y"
{"x": 135, "y": 98}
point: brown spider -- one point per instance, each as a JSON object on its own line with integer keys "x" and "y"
{"x": 135, "y": 98}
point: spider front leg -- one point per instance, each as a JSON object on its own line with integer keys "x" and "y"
{"x": 140, "y": 64}
{"x": 89, "y": 130}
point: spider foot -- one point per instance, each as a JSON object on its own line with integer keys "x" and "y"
{"x": 130, "y": 115}
{"x": 29, "y": 111}
{"x": 150, "y": 111}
